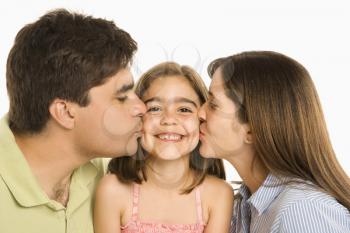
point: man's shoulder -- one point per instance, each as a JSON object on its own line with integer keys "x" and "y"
{"x": 101, "y": 164}
{"x": 91, "y": 172}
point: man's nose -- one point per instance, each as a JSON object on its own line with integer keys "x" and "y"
{"x": 139, "y": 108}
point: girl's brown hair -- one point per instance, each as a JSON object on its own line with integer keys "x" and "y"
{"x": 133, "y": 169}
{"x": 275, "y": 95}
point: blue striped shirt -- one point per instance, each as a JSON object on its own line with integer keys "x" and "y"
{"x": 280, "y": 207}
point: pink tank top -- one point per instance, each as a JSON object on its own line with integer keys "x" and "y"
{"x": 137, "y": 226}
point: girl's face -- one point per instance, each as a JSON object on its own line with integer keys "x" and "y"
{"x": 171, "y": 124}
{"x": 221, "y": 133}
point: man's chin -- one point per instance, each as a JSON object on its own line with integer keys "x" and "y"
{"x": 132, "y": 147}
{"x": 129, "y": 149}
{"x": 121, "y": 153}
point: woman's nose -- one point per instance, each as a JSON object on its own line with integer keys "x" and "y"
{"x": 201, "y": 113}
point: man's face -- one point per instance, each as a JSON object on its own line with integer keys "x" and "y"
{"x": 111, "y": 123}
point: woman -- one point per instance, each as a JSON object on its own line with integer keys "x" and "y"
{"x": 264, "y": 117}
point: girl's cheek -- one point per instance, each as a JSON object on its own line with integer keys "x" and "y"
{"x": 149, "y": 125}
{"x": 192, "y": 124}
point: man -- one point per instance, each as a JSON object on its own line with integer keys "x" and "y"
{"x": 71, "y": 101}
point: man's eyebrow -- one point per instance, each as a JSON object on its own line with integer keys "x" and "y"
{"x": 176, "y": 100}
{"x": 125, "y": 88}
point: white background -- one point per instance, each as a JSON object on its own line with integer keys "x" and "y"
{"x": 316, "y": 33}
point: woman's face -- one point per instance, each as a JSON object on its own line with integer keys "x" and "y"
{"x": 221, "y": 133}
{"x": 171, "y": 124}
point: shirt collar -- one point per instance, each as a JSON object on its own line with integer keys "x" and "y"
{"x": 17, "y": 175}
{"x": 266, "y": 194}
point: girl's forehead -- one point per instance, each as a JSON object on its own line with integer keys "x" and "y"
{"x": 174, "y": 100}
{"x": 170, "y": 89}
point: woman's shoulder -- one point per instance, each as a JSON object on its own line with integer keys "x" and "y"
{"x": 302, "y": 194}
{"x": 301, "y": 208}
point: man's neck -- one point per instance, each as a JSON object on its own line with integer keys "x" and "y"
{"x": 52, "y": 161}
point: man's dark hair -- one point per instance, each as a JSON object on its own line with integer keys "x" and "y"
{"x": 61, "y": 55}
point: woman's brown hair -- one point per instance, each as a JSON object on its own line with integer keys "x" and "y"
{"x": 132, "y": 169}
{"x": 277, "y": 98}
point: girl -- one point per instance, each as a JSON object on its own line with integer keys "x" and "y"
{"x": 276, "y": 139}
{"x": 167, "y": 186}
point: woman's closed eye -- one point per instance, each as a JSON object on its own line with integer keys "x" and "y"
{"x": 211, "y": 104}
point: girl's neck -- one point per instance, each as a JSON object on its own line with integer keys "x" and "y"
{"x": 168, "y": 174}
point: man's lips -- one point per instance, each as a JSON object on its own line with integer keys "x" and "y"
{"x": 139, "y": 132}
{"x": 201, "y": 133}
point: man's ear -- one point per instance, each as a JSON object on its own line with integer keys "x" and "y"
{"x": 63, "y": 112}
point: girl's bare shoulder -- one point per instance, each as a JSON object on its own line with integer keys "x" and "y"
{"x": 213, "y": 188}
{"x": 112, "y": 189}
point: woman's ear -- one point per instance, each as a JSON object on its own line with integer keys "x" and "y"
{"x": 63, "y": 112}
{"x": 248, "y": 134}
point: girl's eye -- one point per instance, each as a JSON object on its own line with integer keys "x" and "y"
{"x": 185, "y": 110}
{"x": 122, "y": 98}
{"x": 153, "y": 109}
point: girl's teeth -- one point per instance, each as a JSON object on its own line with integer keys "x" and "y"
{"x": 170, "y": 137}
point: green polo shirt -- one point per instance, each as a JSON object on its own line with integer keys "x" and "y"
{"x": 25, "y": 207}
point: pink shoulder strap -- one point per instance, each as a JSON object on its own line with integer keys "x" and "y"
{"x": 135, "y": 202}
{"x": 199, "y": 206}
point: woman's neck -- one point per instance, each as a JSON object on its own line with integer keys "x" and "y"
{"x": 251, "y": 169}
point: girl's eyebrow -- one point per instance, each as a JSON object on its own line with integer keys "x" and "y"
{"x": 176, "y": 100}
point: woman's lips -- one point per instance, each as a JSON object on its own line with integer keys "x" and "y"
{"x": 201, "y": 134}
{"x": 201, "y": 131}
{"x": 139, "y": 133}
